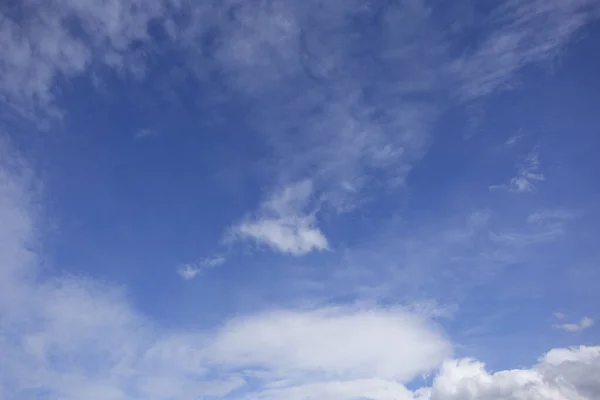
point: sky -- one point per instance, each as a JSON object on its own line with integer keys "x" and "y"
{"x": 294, "y": 200}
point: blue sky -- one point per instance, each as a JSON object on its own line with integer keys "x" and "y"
{"x": 299, "y": 200}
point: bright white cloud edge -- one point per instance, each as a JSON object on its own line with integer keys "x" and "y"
{"x": 284, "y": 222}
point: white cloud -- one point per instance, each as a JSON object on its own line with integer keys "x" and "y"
{"x": 301, "y": 75}
{"x": 284, "y": 222}
{"x": 40, "y": 45}
{"x": 214, "y": 261}
{"x": 527, "y": 176}
{"x": 334, "y": 342}
{"x": 73, "y": 338}
{"x": 522, "y": 33}
{"x": 585, "y": 323}
{"x": 190, "y": 271}
{"x": 513, "y": 140}
{"x": 562, "y": 374}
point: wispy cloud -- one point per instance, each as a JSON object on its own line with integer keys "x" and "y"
{"x": 284, "y": 222}
{"x": 585, "y": 323}
{"x": 511, "y": 141}
{"x": 527, "y": 176}
{"x": 188, "y": 272}
{"x": 192, "y": 270}
{"x": 523, "y": 33}
{"x": 40, "y": 46}
{"x": 364, "y": 111}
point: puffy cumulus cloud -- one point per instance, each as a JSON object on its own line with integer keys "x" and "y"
{"x": 561, "y": 374}
{"x": 284, "y": 222}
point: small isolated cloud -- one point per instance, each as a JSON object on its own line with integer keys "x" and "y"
{"x": 527, "y": 176}
{"x": 188, "y": 271}
{"x": 585, "y": 323}
{"x": 192, "y": 270}
{"x": 284, "y": 224}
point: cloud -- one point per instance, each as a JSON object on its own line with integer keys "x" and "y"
{"x": 585, "y": 323}
{"x": 523, "y": 33}
{"x": 376, "y": 389}
{"x": 190, "y": 271}
{"x": 527, "y": 176}
{"x": 561, "y": 374}
{"x": 214, "y": 261}
{"x": 338, "y": 342}
{"x": 284, "y": 222}
{"x": 73, "y": 338}
{"x": 511, "y": 141}
{"x": 331, "y": 106}
{"x": 40, "y": 46}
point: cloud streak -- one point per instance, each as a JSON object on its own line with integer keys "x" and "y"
{"x": 584, "y": 324}
{"x": 190, "y": 271}
{"x": 528, "y": 175}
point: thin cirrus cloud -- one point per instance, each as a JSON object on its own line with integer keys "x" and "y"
{"x": 363, "y": 118}
{"x": 528, "y": 176}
